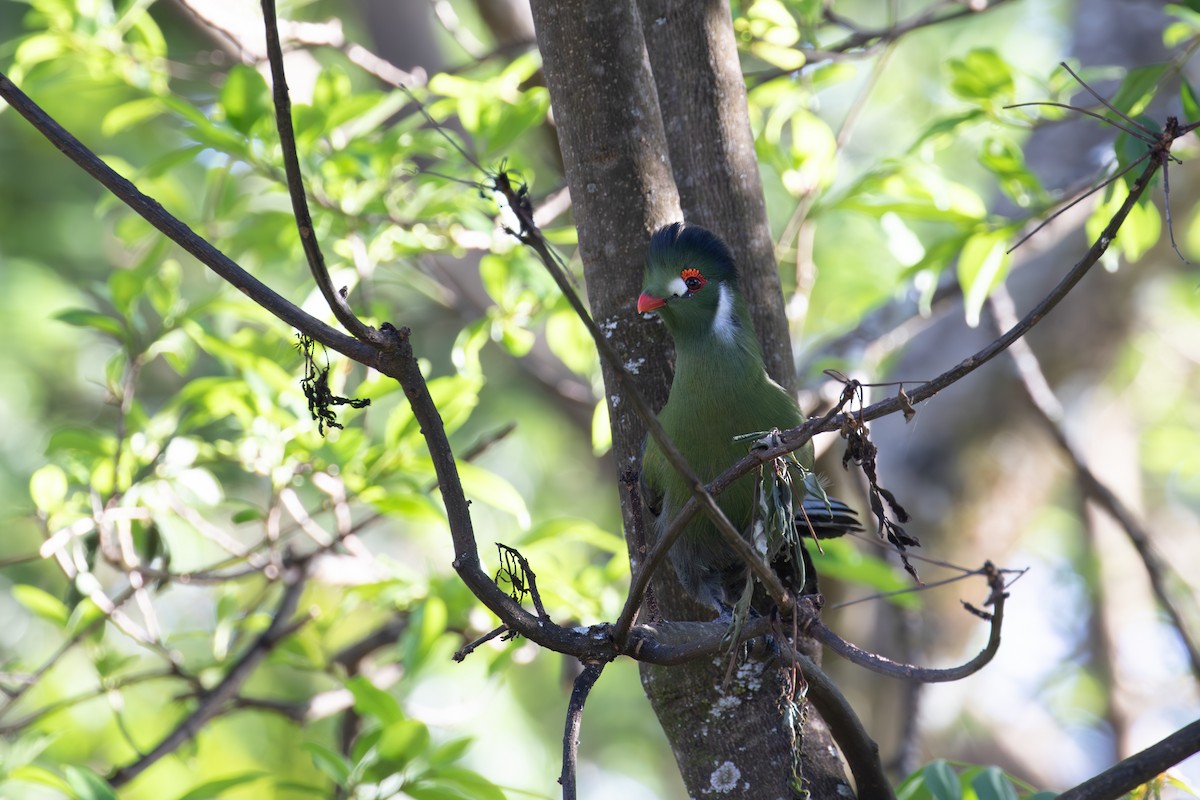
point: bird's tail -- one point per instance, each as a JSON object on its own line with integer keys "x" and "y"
{"x": 828, "y": 516}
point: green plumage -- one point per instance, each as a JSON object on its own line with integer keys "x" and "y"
{"x": 720, "y": 391}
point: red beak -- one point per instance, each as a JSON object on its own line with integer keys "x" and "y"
{"x": 648, "y": 302}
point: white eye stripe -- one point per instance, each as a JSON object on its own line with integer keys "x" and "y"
{"x": 724, "y": 326}
{"x": 678, "y": 287}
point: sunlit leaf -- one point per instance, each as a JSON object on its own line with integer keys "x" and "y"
{"x": 1137, "y": 90}
{"x": 87, "y": 785}
{"x": 1189, "y": 101}
{"x": 128, "y": 115}
{"x": 48, "y": 487}
{"x": 330, "y": 762}
{"x": 85, "y": 318}
{"x": 41, "y": 603}
{"x": 488, "y": 487}
{"x": 403, "y": 740}
{"x": 373, "y": 702}
{"x": 219, "y": 786}
{"x": 982, "y": 266}
{"x": 1139, "y": 232}
{"x": 982, "y": 75}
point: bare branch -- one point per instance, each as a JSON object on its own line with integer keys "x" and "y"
{"x": 812, "y": 626}
{"x": 461, "y": 653}
{"x": 858, "y": 748}
{"x": 584, "y": 682}
{"x": 1125, "y": 776}
{"x": 295, "y": 184}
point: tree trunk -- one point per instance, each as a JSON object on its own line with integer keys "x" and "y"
{"x": 615, "y": 150}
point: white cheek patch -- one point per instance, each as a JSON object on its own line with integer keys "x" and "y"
{"x": 677, "y": 287}
{"x": 724, "y": 325}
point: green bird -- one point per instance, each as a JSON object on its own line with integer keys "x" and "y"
{"x": 720, "y": 393}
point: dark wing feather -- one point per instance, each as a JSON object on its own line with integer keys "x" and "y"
{"x": 828, "y": 523}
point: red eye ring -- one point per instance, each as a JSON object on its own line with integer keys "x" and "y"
{"x": 692, "y": 279}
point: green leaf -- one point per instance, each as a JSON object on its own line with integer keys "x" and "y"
{"x": 942, "y": 781}
{"x": 330, "y": 762}
{"x": 946, "y": 128}
{"x": 425, "y": 791}
{"x": 982, "y": 76}
{"x": 1137, "y": 90}
{"x": 245, "y": 98}
{"x": 85, "y": 318}
{"x": 217, "y": 787}
{"x": 247, "y": 515}
{"x": 39, "y": 48}
{"x": 982, "y": 266}
{"x": 842, "y": 561}
{"x": 1191, "y": 105}
{"x": 787, "y": 59}
{"x": 601, "y": 429}
{"x": 34, "y": 773}
{"x": 42, "y": 603}
{"x": 87, "y": 785}
{"x": 403, "y": 740}
{"x": 993, "y": 784}
{"x": 569, "y": 340}
{"x": 85, "y": 614}
{"x": 450, "y": 752}
{"x": 1139, "y": 232}
{"x": 371, "y": 701}
{"x": 488, "y": 487}
{"x": 128, "y": 115}
{"x": 48, "y": 487}
{"x": 472, "y": 784}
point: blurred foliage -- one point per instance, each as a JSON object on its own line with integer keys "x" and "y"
{"x": 164, "y": 459}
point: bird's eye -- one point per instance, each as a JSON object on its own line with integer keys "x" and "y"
{"x": 693, "y": 280}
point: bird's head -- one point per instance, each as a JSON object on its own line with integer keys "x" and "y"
{"x": 691, "y": 282}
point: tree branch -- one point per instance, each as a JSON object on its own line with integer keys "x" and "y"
{"x": 1140, "y": 768}
{"x": 175, "y": 230}
{"x": 858, "y": 748}
{"x": 812, "y": 626}
{"x": 295, "y": 184}
{"x": 584, "y": 682}
{"x": 214, "y": 702}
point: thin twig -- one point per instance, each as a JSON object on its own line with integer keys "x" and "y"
{"x": 466, "y": 650}
{"x": 584, "y": 682}
{"x": 1050, "y": 411}
{"x": 812, "y": 626}
{"x": 32, "y": 679}
{"x": 1150, "y": 136}
{"x": 214, "y": 702}
{"x": 295, "y": 184}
